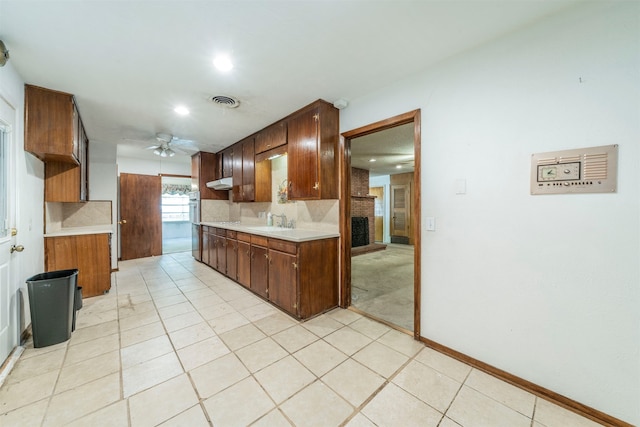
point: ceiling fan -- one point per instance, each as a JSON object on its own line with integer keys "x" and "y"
{"x": 164, "y": 148}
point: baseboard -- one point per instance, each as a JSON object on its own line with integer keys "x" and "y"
{"x": 25, "y": 335}
{"x": 558, "y": 399}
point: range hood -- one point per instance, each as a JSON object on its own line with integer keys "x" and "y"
{"x": 221, "y": 184}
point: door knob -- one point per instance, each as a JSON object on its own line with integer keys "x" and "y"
{"x": 124, "y": 221}
{"x": 18, "y": 248}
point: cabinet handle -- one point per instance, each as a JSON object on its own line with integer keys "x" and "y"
{"x": 295, "y": 265}
{"x": 266, "y": 256}
{"x": 315, "y": 187}
{"x": 249, "y": 254}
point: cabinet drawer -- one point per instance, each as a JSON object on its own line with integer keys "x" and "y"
{"x": 231, "y": 234}
{"x": 243, "y": 237}
{"x": 258, "y": 240}
{"x": 283, "y": 246}
{"x": 220, "y": 231}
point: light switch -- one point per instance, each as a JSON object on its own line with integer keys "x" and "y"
{"x": 431, "y": 223}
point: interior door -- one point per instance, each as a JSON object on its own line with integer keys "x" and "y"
{"x": 400, "y": 214}
{"x": 140, "y": 216}
{"x": 9, "y": 252}
{"x": 378, "y": 212}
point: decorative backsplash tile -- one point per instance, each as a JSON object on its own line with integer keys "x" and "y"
{"x": 86, "y": 214}
{"x": 215, "y": 210}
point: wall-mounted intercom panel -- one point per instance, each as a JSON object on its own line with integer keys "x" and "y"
{"x": 583, "y": 170}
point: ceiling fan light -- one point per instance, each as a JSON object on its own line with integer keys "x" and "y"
{"x": 170, "y": 152}
{"x": 157, "y": 151}
{"x": 163, "y": 153}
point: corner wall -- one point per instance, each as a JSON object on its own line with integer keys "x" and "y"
{"x": 543, "y": 287}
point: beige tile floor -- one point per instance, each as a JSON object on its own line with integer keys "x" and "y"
{"x": 176, "y": 344}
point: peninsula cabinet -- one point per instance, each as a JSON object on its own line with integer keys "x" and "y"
{"x": 89, "y": 253}
{"x": 303, "y": 277}
{"x": 312, "y": 148}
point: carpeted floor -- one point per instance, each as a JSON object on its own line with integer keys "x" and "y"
{"x": 382, "y": 284}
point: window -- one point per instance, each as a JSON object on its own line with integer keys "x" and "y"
{"x": 175, "y": 207}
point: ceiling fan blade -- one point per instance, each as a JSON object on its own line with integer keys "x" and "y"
{"x": 152, "y": 147}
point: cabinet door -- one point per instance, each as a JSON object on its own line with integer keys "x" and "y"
{"x": 303, "y": 153}
{"x": 259, "y": 270}
{"x": 271, "y": 137}
{"x": 205, "y": 245}
{"x": 232, "y": 259}
{"x": 244, "y": 264}
{"x": 94, "y": 264}
{"x": 51, "y": 124}
{"x": 237, "y": 173}
{"x": 227, "y": 163}
{"x": 283, "y": 289}
{"x": 248, "y": 171}
{"x": 221, "y": 252}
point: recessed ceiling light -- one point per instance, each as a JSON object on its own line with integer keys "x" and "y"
{"x": 223, "y": 63}
{"x": 372, "y": 160}
{"x": 182, "y": 110}
{"x": 399, "y": 167}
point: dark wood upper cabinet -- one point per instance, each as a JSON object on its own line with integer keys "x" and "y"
{"x": 271, "y": 137}
{"x": 227, "y": 163}
{"x": 52, "y": 125}
{"x": 312, "y": 145}
{"x": 203, "y": 170}
{"x": 54, "y": 133}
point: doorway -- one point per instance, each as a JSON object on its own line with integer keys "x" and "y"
{"x": 176, "y": 225}
{"x": 405, "y": 254}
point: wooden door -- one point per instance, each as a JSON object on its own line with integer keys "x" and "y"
{"x": 400, "y": 214}
{"x": 302, "y": 150}
{"x": 259, "y": 270}
{"x": 283, "y": 280}
{"x": 140, "y": 207}
{"x": 378, "y": 210}
{"x": 244, "y": 264}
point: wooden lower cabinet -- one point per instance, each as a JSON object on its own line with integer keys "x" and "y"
{"x": 232, "y": 255}
{"x": 244, "y": 260}
{"x": 260, "y": 270}
{"x": 283, "y": 281}
{"x": 206, "y": 241}
{"x": 301, "y": 278}
{"x": 89, "y": 253}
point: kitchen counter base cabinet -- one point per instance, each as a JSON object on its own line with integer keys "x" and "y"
{"x": 89, "y": 253}
{"x": 300, "y": 278}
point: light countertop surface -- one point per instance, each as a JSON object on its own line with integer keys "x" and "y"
{"x": 290, "y": 234}
{"x": 75, "y": 231}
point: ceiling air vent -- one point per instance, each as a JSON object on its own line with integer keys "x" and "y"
{"x": 225, "y": 101}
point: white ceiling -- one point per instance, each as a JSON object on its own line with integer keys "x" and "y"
{"x": 130, "y": 63}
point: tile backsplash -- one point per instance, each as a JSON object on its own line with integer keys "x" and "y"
{"x": 68, "y": 215}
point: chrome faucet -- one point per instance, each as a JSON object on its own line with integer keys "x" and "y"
{"x": 283, "y": 220}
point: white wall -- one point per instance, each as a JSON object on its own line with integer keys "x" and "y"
{"x": 103, "y": 185}
{"x": 154, "y": 167}
{"x": 29, "y": 176}
{"x": 550, "y": 285}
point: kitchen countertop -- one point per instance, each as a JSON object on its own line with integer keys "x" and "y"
{"x": 75, "y": 231}
{"x": 290, "y": 234}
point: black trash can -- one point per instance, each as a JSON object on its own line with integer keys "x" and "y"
{"x": 52, "y": 301}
